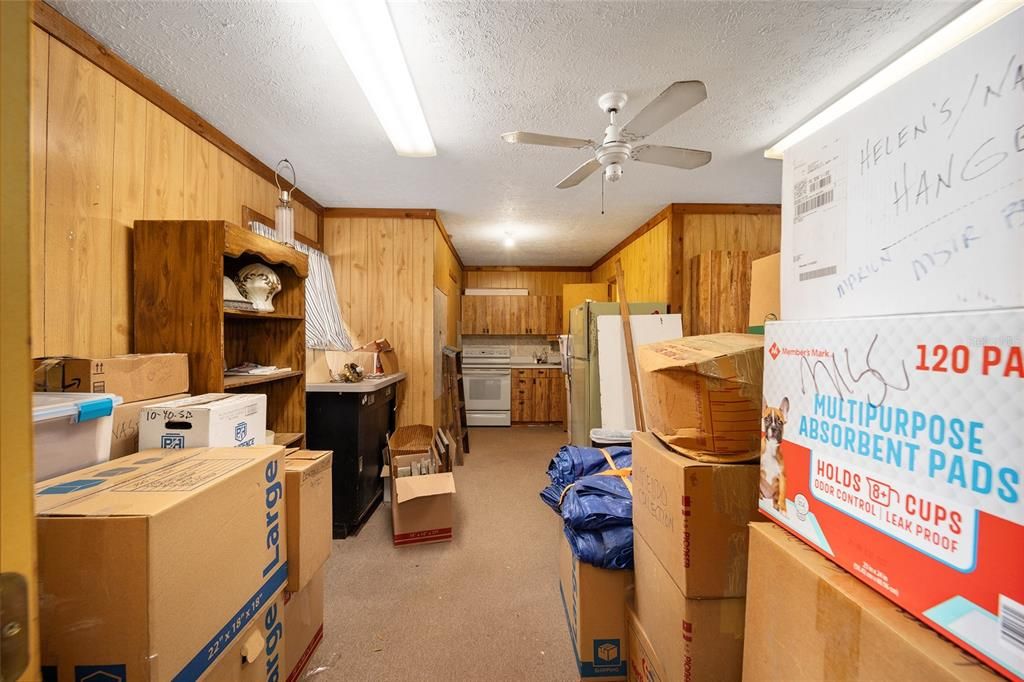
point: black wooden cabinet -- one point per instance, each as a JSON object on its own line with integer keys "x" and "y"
{"x": 356, "y": 427}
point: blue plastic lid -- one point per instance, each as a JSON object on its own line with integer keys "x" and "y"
{"x": 81, "y": 407}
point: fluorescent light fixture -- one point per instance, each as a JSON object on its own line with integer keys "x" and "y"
{"x": 366, "y": 36}
{"x": 978, "y": 17}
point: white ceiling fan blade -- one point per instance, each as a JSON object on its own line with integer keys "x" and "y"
{"x": 671, "y": 156}
{"x": 673, "y": 102}
{"x": 546, "y": 140}
{"x": 580, "y": 174}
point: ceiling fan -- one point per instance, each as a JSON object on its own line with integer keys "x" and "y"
{"x": 618, "y": 144}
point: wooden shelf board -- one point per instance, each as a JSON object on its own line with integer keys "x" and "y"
{"x": 239, "y": 241}
{"x": 252, "y": 314}
{"x": 287, "y": 439}
{"x": 249, "y": 380}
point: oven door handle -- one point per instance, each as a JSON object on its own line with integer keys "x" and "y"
{"x": 486, "y": 372}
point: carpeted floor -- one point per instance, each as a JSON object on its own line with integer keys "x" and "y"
{"x": 482, "y": 607}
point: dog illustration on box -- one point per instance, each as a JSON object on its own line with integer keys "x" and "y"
{"x": 773, "y": 468}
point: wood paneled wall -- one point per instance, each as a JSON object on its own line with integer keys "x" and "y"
{"x": 104, "y": 156}
{"x": 448, "y": 277}
{"x": 384, "y": 272}
{"x": 539, "y": 282}
{"x": 656, "y": 258}
{"x": 645, "y": 265}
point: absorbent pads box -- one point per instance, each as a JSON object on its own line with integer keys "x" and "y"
{"x": 209, "y": 420}
{"x": 893, "y": 445}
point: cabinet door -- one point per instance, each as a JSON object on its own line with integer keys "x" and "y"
{"x": 552, "y": 315}
{"x": 556, "y": 399}
{"x": 541, "y": 397}
{"x": 515, "y": 318}
{"x": 469, "y": 318}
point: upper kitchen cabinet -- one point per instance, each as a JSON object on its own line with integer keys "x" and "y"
{"x": 512, "y": 315}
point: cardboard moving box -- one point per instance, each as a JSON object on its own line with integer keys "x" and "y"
{"x": 694, "y": 516}
{"x": 895, "y": 450}
{"x": 809, "y": 620}
{"x": 695, "y": 639}
{"x": 133, "y": 377}
{"x": 304, "y": 622}
{"x": 309, "y": 505}
{"x": 594, "y": 600}
{"x": 644, "y": 664}
{"x": 150, "y": 567}
{"x": 209, "y": 420}
{"x": 422, "y": 504}
{"x": 702, "y": 394}
{"x": 125, "y": 438}
{"x": 259, "y": 654}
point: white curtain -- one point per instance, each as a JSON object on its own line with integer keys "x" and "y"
{"x": 324, "y": 328}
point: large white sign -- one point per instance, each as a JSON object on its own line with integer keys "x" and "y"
{"x": 914, "y": 201}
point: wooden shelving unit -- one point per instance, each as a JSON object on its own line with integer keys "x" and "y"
{"x": 180, "y": 267}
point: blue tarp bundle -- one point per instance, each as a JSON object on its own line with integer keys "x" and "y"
{"x": 573, "y": 462}
{"x": 597, "y": 509}
{"x": 608, "y": 548}
{"x": 596, "y": 502}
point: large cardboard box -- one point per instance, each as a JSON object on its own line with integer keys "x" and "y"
{"x": 308, "y": 501}
{"x": 644, "y": 664}
{"x": 208, "y": 420}
{"x": 764, "y": 292}
{"x": 151, "y": 567}
{"x": 133, "y": 377}
{"x": 702, "y": 394}
{"x": 694, "y": 639}
{"x": 304, "y": 622}
{"x": 125, "y": 437}
{"x": 594, "y": 600}
{"x": 256, "y": 655}
{"x": 910, "y": 203}
{"x": 694, "y": 517}
{"x": 809, "y": 620}
{"x": 900, "y": 459}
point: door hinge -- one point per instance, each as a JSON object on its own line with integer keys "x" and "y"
{"x": 13, "y": 626}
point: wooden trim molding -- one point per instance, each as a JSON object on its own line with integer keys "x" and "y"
{"x": 712, "y": 209}
{"x": 448, "y": 240}
{"x": 63, "y": 29}
{"x": 414, "y": 213}
{"x": 653, "y": 222}
{"x": 527, "y": 268}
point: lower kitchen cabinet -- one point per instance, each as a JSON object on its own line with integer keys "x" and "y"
{"x": 538, "y": 395}
{"x": 355, "y": 425}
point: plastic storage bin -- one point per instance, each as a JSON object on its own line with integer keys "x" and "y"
{"x": 72, "y": 431}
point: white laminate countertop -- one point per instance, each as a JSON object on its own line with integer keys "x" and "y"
{"x": 364, "y": 386}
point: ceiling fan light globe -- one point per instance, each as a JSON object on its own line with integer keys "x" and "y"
{"x": 613, "y": 172}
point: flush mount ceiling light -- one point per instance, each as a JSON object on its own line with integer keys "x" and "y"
{"x": 366, "y": 37}
{"x": 509, "y": 242}
{"x": 981, "y": 15}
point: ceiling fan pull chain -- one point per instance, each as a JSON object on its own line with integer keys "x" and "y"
{"x": 602, "y": 193}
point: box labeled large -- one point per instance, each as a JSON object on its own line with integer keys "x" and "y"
{"x": 209, "y": 420}
{"x": 701, "y": 394}
{"x": 258, "y": 654}
{"x": 152, "y": 566}
{"x": 308, "y": 501}
{"x": 806, "y": 620}
{"x": 595, "y": 609}
{"x": 133, "y": 377}
{"x": 125, "y": 437}
{"x": 694, "y": 639}
{"x": 304, "y": 621}
{"x": 693, "y": 515}
{"x": 911, "y": 203}
{"x": 893, "y": 445}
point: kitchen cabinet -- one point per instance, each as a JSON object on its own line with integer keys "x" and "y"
{"x": 512, "y": 315}
{"x": 538, "y": 395}
{"x": 354, "y": 423}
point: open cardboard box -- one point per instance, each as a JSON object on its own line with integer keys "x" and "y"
{"x": 421, "y": 505}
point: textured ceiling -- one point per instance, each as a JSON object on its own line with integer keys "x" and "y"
{"x": 270, "y": 77}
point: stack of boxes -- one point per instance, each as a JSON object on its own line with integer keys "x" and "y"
{"x": 894, "y": 387}
{"x": 695, "y": 491}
